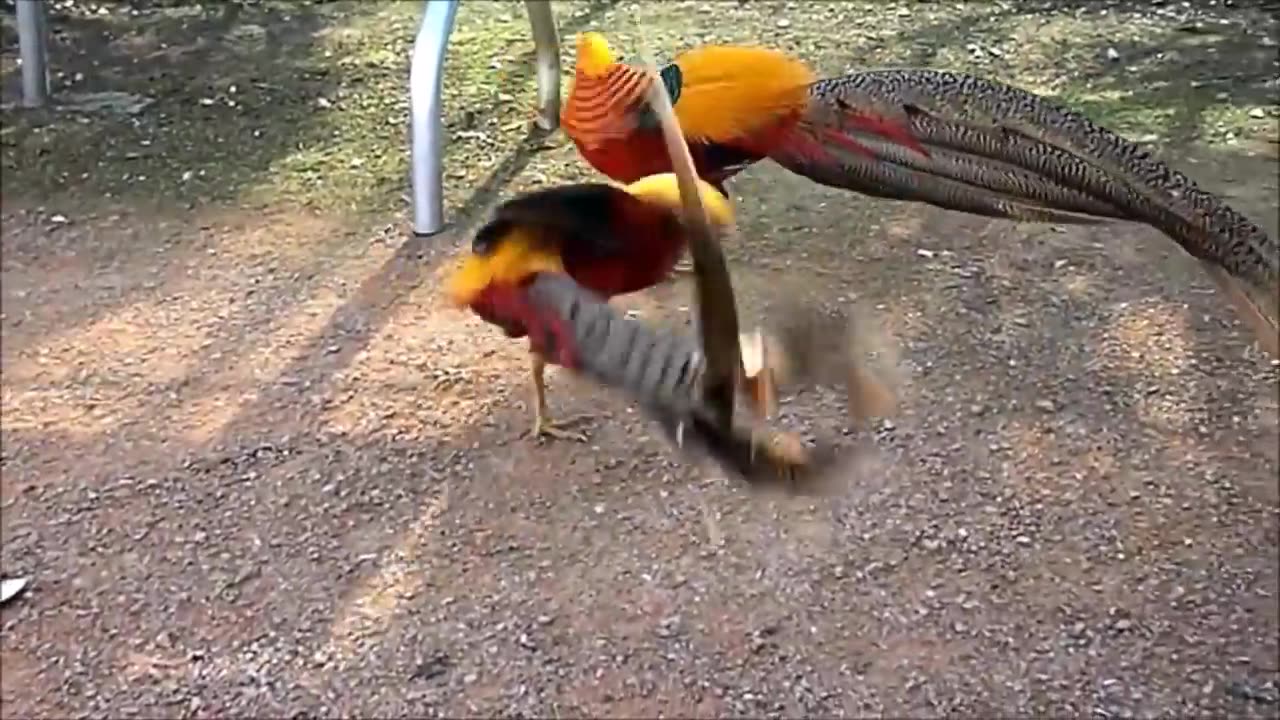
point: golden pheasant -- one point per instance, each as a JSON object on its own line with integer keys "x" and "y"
{"x": 948, "y": 139}
{"x": 610, "y": 240}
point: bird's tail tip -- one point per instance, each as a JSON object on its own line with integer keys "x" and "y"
{"x": 1261, "y": 314}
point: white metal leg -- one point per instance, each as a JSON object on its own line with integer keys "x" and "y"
{"x": 33, "y": 50}
{"x": 426, "y": 123}
{"x": 426, "y": 80}
{"x": 547, "y": 45}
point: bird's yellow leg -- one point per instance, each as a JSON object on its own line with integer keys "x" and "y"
{"x": 543, "y": 425}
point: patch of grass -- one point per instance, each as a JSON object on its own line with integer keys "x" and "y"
{"x": 1164, "y": 74}
{"x": 261, "y": 104}
{"x": 359, "y": 156}
{"x": 233, "y": 88}
{"x": 307, "y": 103}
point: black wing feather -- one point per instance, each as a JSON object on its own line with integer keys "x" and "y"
{"x": 582, "y": 216}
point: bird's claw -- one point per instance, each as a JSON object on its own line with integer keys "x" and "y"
{"x": 557, "y": 429}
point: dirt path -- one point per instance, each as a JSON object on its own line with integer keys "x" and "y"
{"x": 257, "y": 470}
{"x": 321, "y": 504}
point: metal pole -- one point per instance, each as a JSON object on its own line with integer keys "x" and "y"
{"x": 547, "y": 45}
{"x": 426, "y": 124}
{"x": 32, "y": 50}
{"x": 426, "y": 83}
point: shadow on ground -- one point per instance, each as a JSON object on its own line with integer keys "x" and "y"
{"x": 256, "y": 469}
{"x": 301, "y": 133}
{"x": 206, "y": 135}
{"x": 307, "y": 102}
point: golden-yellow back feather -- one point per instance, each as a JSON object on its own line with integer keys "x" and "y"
{"x": 731, "y": 91}
{"x": 727, "y": 92}
{"x": 664, "y": 190}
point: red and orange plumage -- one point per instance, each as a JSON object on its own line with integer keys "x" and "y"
{"x": 735, "y": 105}
{"x": 952, "y": 140}
{"x": 611, "y": 240}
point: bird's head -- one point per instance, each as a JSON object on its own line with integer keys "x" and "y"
{"x": 663, "y": 189}
{"x": 506, "y": 254}
{"x": 595, "y": 58}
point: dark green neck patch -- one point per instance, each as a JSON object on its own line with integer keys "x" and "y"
{"x": 672, "y": 80}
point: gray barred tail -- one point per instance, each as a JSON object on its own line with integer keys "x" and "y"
{"x": 659, "y": 369}
{"x": 993, "y": 176}
{"x": 664, "y": 372}
{"x": 993, "y": 121}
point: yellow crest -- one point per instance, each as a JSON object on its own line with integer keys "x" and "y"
{"x": 594, "y": 55}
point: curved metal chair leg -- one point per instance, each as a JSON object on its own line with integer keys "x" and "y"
{"x": 33, "y": 49}
{"x": 426, "y": 82}
{"x": 426, "y": 123}
{"x": 547, "y": 45}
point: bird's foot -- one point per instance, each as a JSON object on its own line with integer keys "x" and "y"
{"x": 557, "y": 429}
{"x": 684, "y": 268}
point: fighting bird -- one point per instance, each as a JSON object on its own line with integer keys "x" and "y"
{"x": 734, "y": 104}
{"x": 951, "y": 140}
{"x": 689, "y": 387}
{"x": 610, "y": 240}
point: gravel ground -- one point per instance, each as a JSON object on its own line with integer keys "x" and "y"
{"x": 257, "y": 470}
